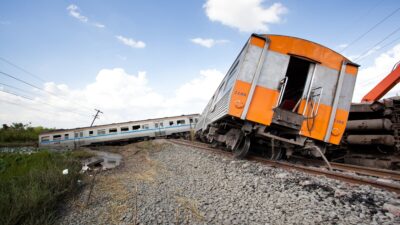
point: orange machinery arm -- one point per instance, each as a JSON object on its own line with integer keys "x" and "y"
{"x": 384, "y": 86}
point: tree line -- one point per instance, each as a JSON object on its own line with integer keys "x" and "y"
{"x": 20, "y": 133}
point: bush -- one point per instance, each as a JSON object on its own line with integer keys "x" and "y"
{"x": 20, "y": 133}
{"x": 31, "y": 186}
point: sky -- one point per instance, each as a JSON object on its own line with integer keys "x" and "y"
{"x": 145, "y": 59}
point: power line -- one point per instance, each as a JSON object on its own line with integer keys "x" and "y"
{"x": 22, "y": 81}
{"x": 7, "y": 85}
{"x": 378, "y": 43}
{"x": 371, "y": 29}
{"x": 30, "y": 108}
{"x": 36, "y": 87}
{"x": 11, "y": 93}
{"x": 372, "y": 8}
{"x": 22, "y": 69}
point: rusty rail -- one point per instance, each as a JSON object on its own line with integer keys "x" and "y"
{"x": 315, "y": 171}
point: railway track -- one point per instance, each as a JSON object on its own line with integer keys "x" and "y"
{"x": 360, "y": 170}
{"x": 335, "y": 174}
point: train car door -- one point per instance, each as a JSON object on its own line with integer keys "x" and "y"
{"x": 159, "y": 129}
{"x": 293, "y": 87}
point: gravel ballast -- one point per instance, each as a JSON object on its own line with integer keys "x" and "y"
{"x": 163, "y": 183}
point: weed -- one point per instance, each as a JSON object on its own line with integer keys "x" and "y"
{"x": 32, "y": 185}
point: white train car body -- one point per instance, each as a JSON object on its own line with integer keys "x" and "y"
{"x": 126, "y": 131}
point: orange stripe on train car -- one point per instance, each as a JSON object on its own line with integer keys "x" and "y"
{"x": 260, "y": 110}
{"x": 320, "y": 126}
{"x": 296, "y": 46}
{"x": 351, "y": 70}
{"x": 257, "y": 42}
{"x": 238, "y": 98}
{"x": 315, "y": 127}
{"x": 339, "y": 126}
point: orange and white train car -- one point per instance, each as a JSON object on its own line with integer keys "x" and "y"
{"x": 286, "y": 92}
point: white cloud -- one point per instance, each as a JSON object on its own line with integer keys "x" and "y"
{"x": 120, "y": 95}
{"x": 99, "y": 25}
{"x": 207, "y": 42}
{"x": 245, "y": 15}
{"x": 130, "y": 42}
{"x": 74, "y": 11}
{"x": 368, "y": 77}
{"x": 342, "y": 45}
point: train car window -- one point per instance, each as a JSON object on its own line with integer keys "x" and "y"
{"x": 45, "y": 138}
{"x": 190, "y": 120}
{"x": 124, "y": 129}
{"x": 161, "y": 124}
{"x": 76, "y": 134}
{"x": 156, "y": 125}
{"x": 112, "y": 130}
{"x": 230, "y": 79}
{"x": 220, "y": 91}
{"x": 90, "y": 133}
{"x": 180, "y": 122}
{"x": 196, "y": 120}
{"x": 81, "y": 134}
{"x": 56, "y": 137}
{"x": 136, "y": 127}
{"x": 101, "y": 132}
{"x": 66, "y": 136}
{"x": 171, "y": 123}
{"x": 145, "y": 126}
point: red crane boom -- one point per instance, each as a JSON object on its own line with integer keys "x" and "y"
{"x": 384, "y": 86}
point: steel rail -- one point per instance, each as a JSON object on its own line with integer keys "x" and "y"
{"x": 310, "y": 170}
{"x": 362, "y": 170}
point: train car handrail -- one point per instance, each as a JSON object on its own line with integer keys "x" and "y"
{"x": 311, "y": 96}
{"x": 282, "y": 91}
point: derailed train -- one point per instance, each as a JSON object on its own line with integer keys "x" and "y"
{"x": 176, "y": 126}
{"x": 281, "y": 95}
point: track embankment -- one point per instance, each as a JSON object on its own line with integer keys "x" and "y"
{"x": 163, "y": 183}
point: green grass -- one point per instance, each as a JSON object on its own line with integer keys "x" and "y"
{"x": 31, "y": 186}
{"x": 80, "y": 154}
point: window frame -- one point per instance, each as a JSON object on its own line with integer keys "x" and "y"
{"x": 112, "y": 130}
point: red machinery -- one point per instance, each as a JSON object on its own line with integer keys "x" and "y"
{"x": 384, "y": 86}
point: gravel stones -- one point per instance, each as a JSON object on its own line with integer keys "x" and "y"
{"x": 194, "y": 186}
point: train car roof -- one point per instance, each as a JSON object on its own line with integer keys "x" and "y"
{"x": 116, "y": 124}
{"x": 306, "y": 49}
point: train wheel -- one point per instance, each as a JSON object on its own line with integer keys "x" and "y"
{"x": 242, "y": 148}
{"x": 274, "y": 154}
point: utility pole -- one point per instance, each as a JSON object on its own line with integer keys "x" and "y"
{"x": 96, "y": 116}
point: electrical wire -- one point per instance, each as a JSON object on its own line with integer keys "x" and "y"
{"x": 22, "y": 69}
{"x": 41, "y": 89}
{"x": 370, "y": 29}
{"x": 19, "y": 89}
{"x": 377, "y": 44}
{"x": 381, "y": 48}
{"x": 11, "y": 93}
{"x": 31, "y": 108}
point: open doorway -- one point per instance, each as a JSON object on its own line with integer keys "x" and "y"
{"x": 296, "y": 74}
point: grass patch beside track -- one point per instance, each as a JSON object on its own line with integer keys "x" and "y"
{"x": 31, "y": 185}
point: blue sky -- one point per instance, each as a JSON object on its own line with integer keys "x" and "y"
{"x": 45, "y": 38}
